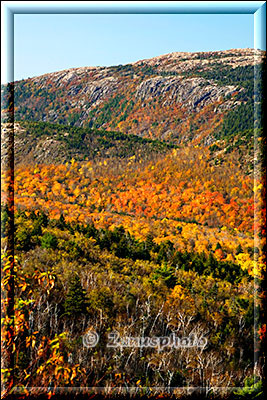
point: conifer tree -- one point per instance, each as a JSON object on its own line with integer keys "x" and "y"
{"x": 76, "y": 300}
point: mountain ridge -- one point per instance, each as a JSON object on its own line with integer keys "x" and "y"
{"x": 178, "y": 97}
{"x": 255, "y": 53}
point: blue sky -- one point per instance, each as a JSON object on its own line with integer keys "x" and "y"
{"x": 49, "y": 42}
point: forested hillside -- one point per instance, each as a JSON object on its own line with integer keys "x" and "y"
{"x": 46, "y": 143}
{"x": 138, "y": 209}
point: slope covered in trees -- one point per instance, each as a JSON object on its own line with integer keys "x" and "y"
{"x": 181, "y": 197}
{"x": 138, "y": 209}
{"x": 108, "y": 281}
{"x": 41, "y": 142}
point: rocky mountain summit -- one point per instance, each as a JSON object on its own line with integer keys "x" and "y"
{"x": 174, "y": 97}
{"x": 184, "y": 61}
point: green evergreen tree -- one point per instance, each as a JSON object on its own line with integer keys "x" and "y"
{"x": 149, "y": 241}
{"x": 218, "y": 246}
{"x": 76, "y": 299}
{"x": 239, "y": 249}
{"x": 167, "y": 274}
{"x": 4, "y": 220}
{"x": 49, "y": 241}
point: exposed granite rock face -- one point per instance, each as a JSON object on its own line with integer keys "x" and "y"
{"x": 65, "y": 77}
{"x": 28, "y": 150}
{"x": 101, "y": 88}
{"x": 46, "y": 150}
{"x": 193, "y": 93}
{"x": 6, "y": 143}
{"x": 183, "y": 61}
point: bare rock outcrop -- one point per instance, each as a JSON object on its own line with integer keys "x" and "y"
{"x": 193, "y": 93}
